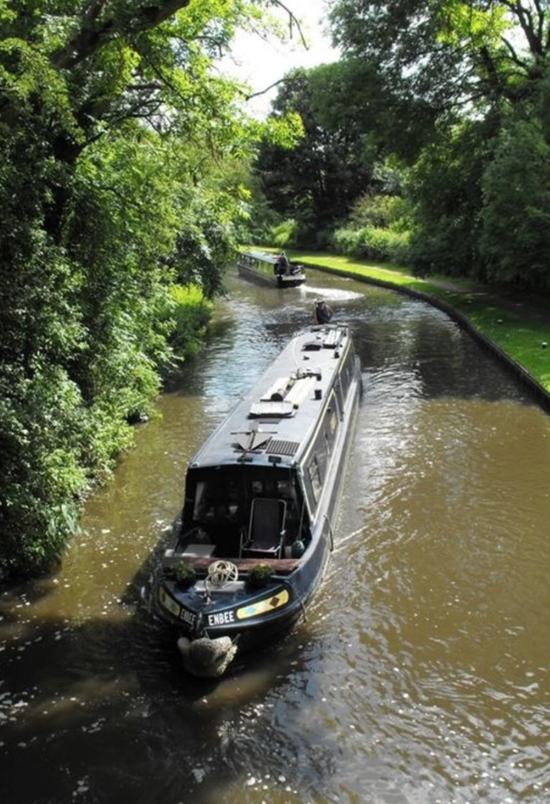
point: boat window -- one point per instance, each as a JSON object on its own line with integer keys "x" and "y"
{"x": 201, "y": 506}
{"x": 314, "y": 473}
{"x": 332, "y": 420}
{"x": 324, "y": 447}
{"x": 215, "y": 500}
{"x": 347, "y": 370}
{"x": 339, "y": 394}
{"x": 282, "y": 488}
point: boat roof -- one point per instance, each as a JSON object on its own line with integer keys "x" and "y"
{"x": 265, "y": 256}
{"x": 274, "y": 422}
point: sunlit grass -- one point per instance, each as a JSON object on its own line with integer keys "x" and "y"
{"x": 523, "y": 337}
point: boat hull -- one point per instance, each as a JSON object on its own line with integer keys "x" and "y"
{"x": 273, "y": 281}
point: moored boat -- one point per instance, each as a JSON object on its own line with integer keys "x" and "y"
{"x": 257, "y": 527}
{"x": 275, "y": 269}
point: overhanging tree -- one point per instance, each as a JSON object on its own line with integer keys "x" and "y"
{"x": 99, "y": 105}
{"x": 449, "y": 52}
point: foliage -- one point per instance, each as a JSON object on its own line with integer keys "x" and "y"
{"x": 340, "y": 167}
{"x": 447, "y": 52}
{"x": 358, "y": 100}
{"x": 373, "y": 243}
{"x": 468, "y": 84}
{"x": 516, "y": 212}
{"x": 205, "y": 243}
{"x": 445, "y": 184}
{"x": 40, "y": 419}
{"x": 345, "y": 240}
{"x": 113, "y": 128}
{"x": 315, "y": 182}
{"x": 184, "y": 573}
{"x": 382, "y": 211}
{"x": 191, "y": 317}
{"x": 259, "y": 576}
{"x": 286, "y": 233}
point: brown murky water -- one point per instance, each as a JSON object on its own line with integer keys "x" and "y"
{"x": 422, "y": 671}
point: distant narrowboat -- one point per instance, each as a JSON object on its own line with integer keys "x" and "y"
{"x": 275, "y": 269}
{"x": 257, "y": 526}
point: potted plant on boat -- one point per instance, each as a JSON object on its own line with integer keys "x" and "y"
{"x": 184, "y": 573}
{"x": 259, "y": 576}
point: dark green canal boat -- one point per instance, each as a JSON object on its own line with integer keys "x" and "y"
{"x": 271, "y": 269}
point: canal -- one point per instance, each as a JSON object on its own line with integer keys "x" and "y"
{"x": 421, "y": 672}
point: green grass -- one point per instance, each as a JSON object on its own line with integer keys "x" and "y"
{"x": 520, "y": 335}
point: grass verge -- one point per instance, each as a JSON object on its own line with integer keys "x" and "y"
{"x": 520, "y": 329}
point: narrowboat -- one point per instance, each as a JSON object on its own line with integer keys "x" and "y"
{"x": 256, "y": 530}
{"x": 273, "y": 269}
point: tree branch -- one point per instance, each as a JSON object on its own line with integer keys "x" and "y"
{"x": 95, "y": 32}
{"x": 263, "y": 91}
{"x": 293, "y": 21}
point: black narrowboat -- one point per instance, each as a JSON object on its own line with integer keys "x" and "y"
{"x": 257, "y": 527}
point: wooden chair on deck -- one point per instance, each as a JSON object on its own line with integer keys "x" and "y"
{"x": 266, "y": 531}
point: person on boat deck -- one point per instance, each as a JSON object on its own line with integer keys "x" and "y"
{"x": 282, "y": 264}
{"x": 321, "y": 312}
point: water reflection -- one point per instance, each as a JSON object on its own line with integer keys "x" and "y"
{"x": 421, "y": 670}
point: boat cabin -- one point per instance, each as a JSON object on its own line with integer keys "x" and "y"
{"x": 241, "y": 512}
{"x": 267, "y": 469}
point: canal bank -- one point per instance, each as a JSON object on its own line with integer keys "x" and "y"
{"x": 514, "y": 326}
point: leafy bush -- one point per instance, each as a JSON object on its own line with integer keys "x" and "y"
{"x": 285, "y": 234}
{"x": 399, "y": 247}
{"x": 259, "y": 576}
{"x": 444, "y": 248}
{"x": 445, "y": 184}
{"x": 42, "y": 474}
{"x": 345, "y": 241}
{"x": 380, "y": 211}
{"x": 383, "y": 245}
{"x": 100, "y": 213}
{"x": 372, "y": 243}
{"x": 184, "y": 573}
{"x": 515, "y": 237}
{"x": 191, "y": 314}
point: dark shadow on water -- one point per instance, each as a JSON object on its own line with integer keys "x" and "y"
{"x": 106, "y": 708}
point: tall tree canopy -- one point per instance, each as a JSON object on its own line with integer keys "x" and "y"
{"x": 113, "y": 126}
{"x": 450, "y": 51}
{"x": 317, "y": 181}
{"x": 478, "y": 70}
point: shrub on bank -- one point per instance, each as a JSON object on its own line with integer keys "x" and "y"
{"x": 191, "y": 315}
{"x": 56, "y": 442}
{"x": 345, "y": 241}
{"x": 373, "y": 243}
{"x": 285, "y": 234}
